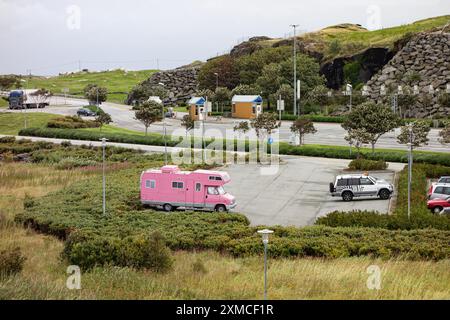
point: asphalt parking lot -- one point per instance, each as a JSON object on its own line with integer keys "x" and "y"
{"x": 298, "y": 193}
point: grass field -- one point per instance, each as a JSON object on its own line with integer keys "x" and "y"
{"x": 12, "y": 123}
{"x": 118, "y": 82}
{"x": 3, "y": 103}
{"x": 196, "y": 275}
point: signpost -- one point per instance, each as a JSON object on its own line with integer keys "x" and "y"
{"x": 280, "y": 106}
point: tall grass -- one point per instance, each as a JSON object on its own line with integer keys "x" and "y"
{"x": 221, "y": 277}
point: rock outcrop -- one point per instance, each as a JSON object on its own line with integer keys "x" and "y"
{"x": 181, "y": 83}
{"x": 368, "y": 63}
{"x": 423, "y": 62}
{"x": 248, "y": 47}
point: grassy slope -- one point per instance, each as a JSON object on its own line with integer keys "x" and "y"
{"x": 115, "y": 81}
{"x": 44, "y": 274}
{"x": 12, "y": 123}
{"x": 354, "y": 39}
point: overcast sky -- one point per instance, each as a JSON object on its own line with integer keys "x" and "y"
{"x": 53, "y": 36}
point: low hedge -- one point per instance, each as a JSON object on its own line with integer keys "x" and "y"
{"x": 72, "y": 122}
{"x": 339, "y": 152}
{"x": 364, "y": 164}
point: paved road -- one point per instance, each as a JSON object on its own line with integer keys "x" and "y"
{"x": 327, "y": 133}
{"x": 298, "y": 194}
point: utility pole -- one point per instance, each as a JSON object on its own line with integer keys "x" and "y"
{"x": 165, "y": 134}
{"x": 295, "y": 68}
{"x": 217, "y": 85}
{"x": 104, "y": 175}
{"x": 410, "y": 163}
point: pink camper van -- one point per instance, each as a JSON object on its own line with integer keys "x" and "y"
{"x": 172, "y": 188}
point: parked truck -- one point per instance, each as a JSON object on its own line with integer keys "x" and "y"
{"x": 28, "y": 99}
{"x": 170, "y": 188}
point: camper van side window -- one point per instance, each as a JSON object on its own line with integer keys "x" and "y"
{"x": 150, "y": 184}
{"x": 177, "y": 185}
{"x": 198, "y": 186}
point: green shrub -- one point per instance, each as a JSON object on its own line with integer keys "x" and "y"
{"x": 147, "y": 252}
{"x": 364, "y": 164}
{"x": 7, "y": 139}
{"x": 11, "y": 262}
{"x": 71, "y": 163}
{"x": 72, "y": 122}
{"x": 75, "y": 214}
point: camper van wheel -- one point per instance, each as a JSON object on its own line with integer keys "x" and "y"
{"x": 221, "y": 208}
{"x": 167, "y": 207}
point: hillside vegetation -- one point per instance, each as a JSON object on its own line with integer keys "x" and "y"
{"x": 118, "y": 82}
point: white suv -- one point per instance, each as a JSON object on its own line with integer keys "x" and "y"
{"x": 350, "y": 186}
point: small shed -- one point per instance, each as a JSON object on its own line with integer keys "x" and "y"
{"x": 196, "y": 108}
{"x": 246, "y": 107}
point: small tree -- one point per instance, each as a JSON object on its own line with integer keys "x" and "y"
{"x": 374, "y": 119}
{"x": 95, "y": 94}
{"x": 444, "y": 134}
{"x": 245, "y": 89}
{"x": 241, "y": 127}
{"x": 7, "y": 82}
{"x": 358, "y": 138}
{"x": 206, "y": 93}
{"x": 187, "y": 123}
{"x": 103, "y": 118}
{"x": 420, "y": 130}
{"x": 265, "y": 122}
{"x": 222, "y": 95}
{"x": 148, "y": 113}
{"x": 303, "y": 126}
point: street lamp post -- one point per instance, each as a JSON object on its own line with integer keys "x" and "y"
{"x": 265, "y": 239}
{"x": 294, "y": 26}
{"x": 410, "y": 163}
{"x": 217, "y": 85}
{"x": 104, "y": 175}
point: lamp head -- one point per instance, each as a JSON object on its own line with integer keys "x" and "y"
{"x": 265, "y": 235}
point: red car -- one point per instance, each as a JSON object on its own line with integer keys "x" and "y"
{"x": 437, "y": 205}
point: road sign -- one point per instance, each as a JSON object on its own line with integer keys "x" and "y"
{"x": 280, "y": 105}
{"x": 208, "y": 106}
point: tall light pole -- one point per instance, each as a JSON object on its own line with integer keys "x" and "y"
{"x": 104, "y": 174}
{"x": 164, "y": 128}
{"x": 410, "y": 163}
{"x": 265, "y": 239}
{"x": 217, "y": 85}
{"x": 295, "y": 68}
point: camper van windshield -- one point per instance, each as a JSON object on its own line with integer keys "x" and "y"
{"x": 221, "y": 190}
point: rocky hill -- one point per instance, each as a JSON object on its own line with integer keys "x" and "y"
{"x": 423, "y": 62}
{"x": 181, "y": 83}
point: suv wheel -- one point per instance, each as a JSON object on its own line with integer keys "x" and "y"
{"x": 167, "y": 207}
{"x": 384, "y": 194}
{"x": 347, "y": 196}
{"x": 437, "y": 209}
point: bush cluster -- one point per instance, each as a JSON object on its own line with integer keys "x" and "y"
{"x": 364, "y": 164}
{"x": 140, "y": 252}
{"x": 108, "y": 239}
{"x": 11, "y": 262}
{"x": 72, "y": 122}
